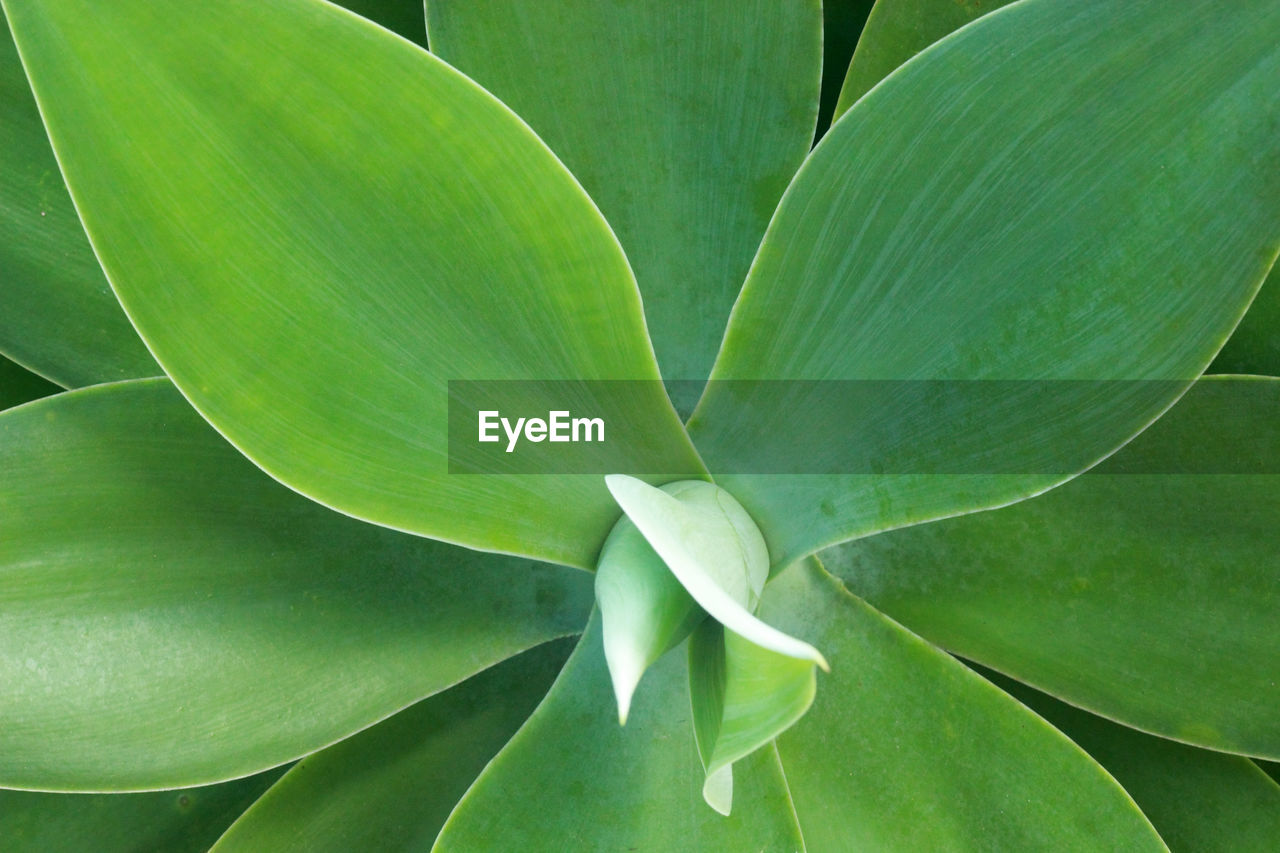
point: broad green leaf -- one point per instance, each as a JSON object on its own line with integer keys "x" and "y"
{"x": 392, "y": 786}
{"x": 842, "y": 24}
{"x": 19, "y": 385}
{"x": 573, "y": 779}
{"x": 315, "y": 225}
{"x": 183, "y": 821}
{"x": 1198, "y": 800}
{"x": 58, "y": 316}
{"x": 171, "y": 616}
{"x": 897, "y": 30}
{"x": 1254, "y": 346}
{"x": 715, "y": 551}
{"x": 1141, "y": 593}
{"x": 905, "y": 748}
{"x": 743, "y": 696}
{"x": 403, "y": 17}
{"x": 993, "y": 212}
{"x": 685, "y": 123}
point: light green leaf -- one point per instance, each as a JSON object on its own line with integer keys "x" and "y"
{"x": 644, "y": 610}
{"x": 315, "y": 225}
{"x": 1198, "y": 800}
{"x": 714, "y": 549}
{"x": 58, "y": 316}
{"x": 572, "y": 778}
{"x": 403, "y": 17}
{"x": 184, "y": 821}
{"x": 685, "y": 122}
{"x": 1254, "y": 346}
{"x": 19, "y": 385}
{"x": 1141, "y": 593}
{"x": 743, "y": 696}
{"x": 993, "y": 212}
{"x": 905, "y": 748}
{"x": 899, "y": 29}
{"x": 392, "y": 786}
{"x": 172, "y": 616}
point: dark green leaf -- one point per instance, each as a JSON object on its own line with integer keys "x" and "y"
{"x": 684, "y": 121}
{"x": 907, "y": 749}
{"x": 1143, "y": 594}
{"x": 19, "y": 385}
{"x": 172, "y": 616}
{"x": 573, "y": 779}
{"x": 1254, "y": 346}
{"x": 994, "y": 212}
{"x": 899, "y": 29}
{"x": 58, "y": 316}
{"x": 182, "y": 821}
{"x": 391, "y": 787}
{"x": 316, "y": 225}
{"x": 403, "y": 17}
{"x": 1198, "y": 800}
{"x": 842, "y": 25}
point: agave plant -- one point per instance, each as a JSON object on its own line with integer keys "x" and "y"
{"x": 958, "y": 408}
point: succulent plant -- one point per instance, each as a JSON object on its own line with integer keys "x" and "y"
{"x": 911, "y": 511}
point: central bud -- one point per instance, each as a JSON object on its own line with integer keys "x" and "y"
{"x": 687, "y": 561}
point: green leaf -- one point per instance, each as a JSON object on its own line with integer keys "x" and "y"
{"x": 315, "y": 225}
{"x": 403, "y": 17}
{"x": 1197, "y": 799}
{"x": 572, "y": 777}
{"x": 1254, "y": 346}
{"x": 712, "y": 547}
{"x": 58, "y": 316}
{"x": 174, "y": 617}
{"x": 19, "y": 385}
{"x": 644, "y": 610}
{"x": 685, "y": 126}
{"x": 1018, "y": 225}
{"x": 183, "y": 821}
{"x": 392, "y": 786}
{"x": 743, "y": 696}
{"x": 899, "y": 29}
{"x": 1137, "y": 592}
{"x": 905, "y": 748}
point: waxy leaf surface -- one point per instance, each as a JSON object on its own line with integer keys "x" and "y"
{"x": 897, "y": 30}
{"x": 993, "y": 211}
{"x": 172, "y": 616}
{"x": 188, "y": 820}
{"x": 1198, "y": 800}
{"x": 905, "y": 748}
{"x": 316, "y": 225}
{"x": 685, "y": 121}
{"x": 573, "y": 779}
{"x": 391, "y": 787}
{"x": 1136, "y": 591}
{"x": 58, "y": 315}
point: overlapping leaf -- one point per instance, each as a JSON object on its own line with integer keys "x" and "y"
{"x": 1198, "y": 800}
{"x": 391, "y": 787}
{"x": 172, "y": 616}
{"x": 993, "y": 211}
{"x": 573, "y": 778}
{"x": 907, "y": 749}
{"x": 57, "y": 313}
{"x": 19, "y": 385}
{"x": 316, "y": 225}
{"x": 1145, "y": 591}
{"x": 684, "y": 121}
{"x": 183, "y": 821}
